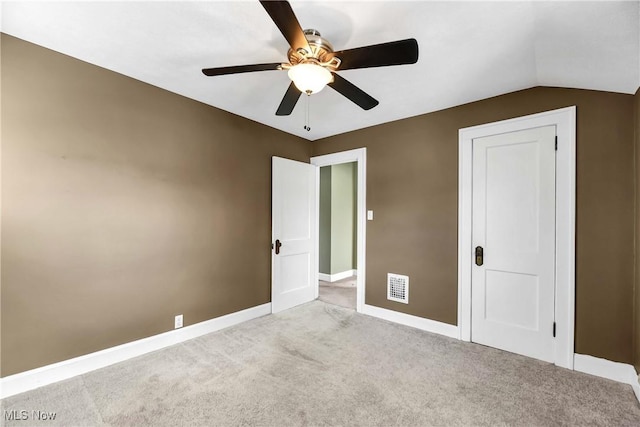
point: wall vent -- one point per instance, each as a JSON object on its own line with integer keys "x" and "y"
{"x": 398, "y": 288}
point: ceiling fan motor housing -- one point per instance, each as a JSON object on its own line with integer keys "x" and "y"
{"x": 321, "y": 52}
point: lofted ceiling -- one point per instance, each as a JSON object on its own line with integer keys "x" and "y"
{"x": 467, "y": 51}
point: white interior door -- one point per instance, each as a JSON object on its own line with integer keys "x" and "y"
{"x": 513, "y": 290}
{"x": 293, "y": 257}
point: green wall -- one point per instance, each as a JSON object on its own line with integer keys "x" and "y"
{"x": 325, "y": 220}
{"x": 338, "y": 218}
{"x": 343, "y": 207}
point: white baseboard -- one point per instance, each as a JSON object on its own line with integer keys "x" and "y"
{"x": 604, "y": 368}
{"x": 338, "y": 276}
{"x": 29, "y": 380}
{"x": 413, "y": 321}
{"x": 324, "y": 277}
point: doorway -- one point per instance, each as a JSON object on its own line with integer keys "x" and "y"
{"x": 563, "y": 120}
{"x": 337, "y": 234}
{"x": 350, "y": 165}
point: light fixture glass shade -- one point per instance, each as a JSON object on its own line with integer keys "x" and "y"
{"x": 310, "y": 78}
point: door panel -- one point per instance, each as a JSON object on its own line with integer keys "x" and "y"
{"x": 512, "y": 298}
{"x": 293, "y": 210}
{"x": 514, "y": 222}
{"x": 295, "y": 271}
{"x": 511, "y": 176}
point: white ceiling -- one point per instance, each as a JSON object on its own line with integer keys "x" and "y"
{"x": 468, "y": 51}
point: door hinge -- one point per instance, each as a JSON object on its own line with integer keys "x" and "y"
{"x": 556, "y": 142}
{"x": 554, "y": 329}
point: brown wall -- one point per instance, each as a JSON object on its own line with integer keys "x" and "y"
{"x": 122, "y": 206}
{"x": 636, "y": 311}
{"x": 412, "y": 185}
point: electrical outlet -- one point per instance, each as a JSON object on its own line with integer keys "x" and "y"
{"x": 178, "y": 322}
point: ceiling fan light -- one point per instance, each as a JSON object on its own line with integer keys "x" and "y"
{"x": 310, "y": 78}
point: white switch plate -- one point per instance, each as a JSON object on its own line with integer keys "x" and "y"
{"x": 178, "y": 322}
{"x": 370, "y": 215}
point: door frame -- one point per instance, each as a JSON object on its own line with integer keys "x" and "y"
{"x": 358, "y": 155}
{"x": 565, "y": 121}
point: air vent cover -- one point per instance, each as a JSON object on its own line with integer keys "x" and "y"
{"x": 398, "y": 288}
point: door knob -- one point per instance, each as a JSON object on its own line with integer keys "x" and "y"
{"x": 278, "y": 245}
{"x": 479, "y": 255}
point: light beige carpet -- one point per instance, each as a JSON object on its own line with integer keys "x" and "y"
{"x": 342, "y": 292}
{"x": 319, "y": 365}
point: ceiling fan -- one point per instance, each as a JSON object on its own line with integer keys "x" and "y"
{"x": 314, "y": 64}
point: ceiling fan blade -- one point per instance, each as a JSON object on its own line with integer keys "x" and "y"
{"x": 352, "y": 92}
{"x": 379, "y": 55}
{"x": 286, "y": 21}
{"x": 288, "y": 101}
{"x": 241, "y": 69}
